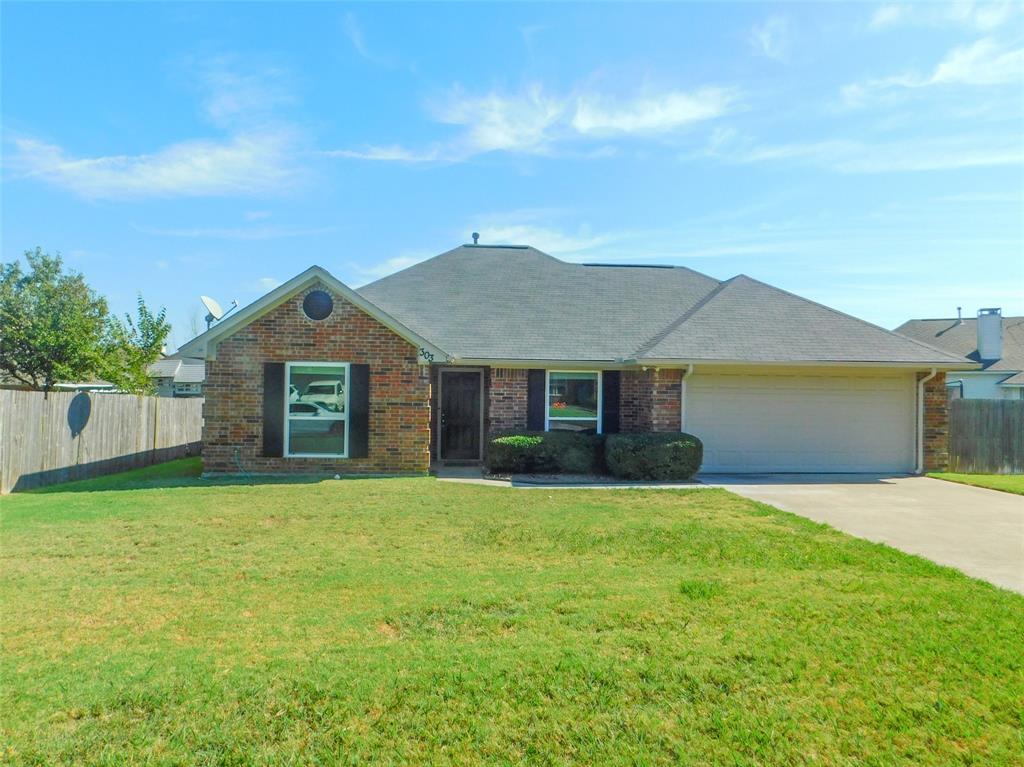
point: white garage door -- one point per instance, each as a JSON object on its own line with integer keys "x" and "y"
{"x": 786, "y": 423}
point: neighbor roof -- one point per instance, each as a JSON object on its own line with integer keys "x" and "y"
{"x": 961, "y": 337}
{"x": 179, "y": 369}
{"x": 517, "y": 303}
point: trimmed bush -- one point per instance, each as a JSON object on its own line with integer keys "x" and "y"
{"x": 562, "y": 452}
{"x": 657, "y": 456}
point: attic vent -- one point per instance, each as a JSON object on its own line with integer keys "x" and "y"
{"x": 318, "y": 305}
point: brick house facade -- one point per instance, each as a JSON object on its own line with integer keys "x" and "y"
{"x": 399, "y": 391}
{"x": 397, "y": 374}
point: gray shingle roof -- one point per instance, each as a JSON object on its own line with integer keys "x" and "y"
{"x": 487, "y": 302}
{"x": 961, "y": 337}
{"x": 180, "y": 369}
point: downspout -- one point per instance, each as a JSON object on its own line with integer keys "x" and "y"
{"x": 920, "y": 420}
{"x": 682, "y": 396}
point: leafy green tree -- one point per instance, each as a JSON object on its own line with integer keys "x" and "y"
{"x": 132, "y": 345}
{"x": 54, "y": 327}
{"x": 52, "y": 324}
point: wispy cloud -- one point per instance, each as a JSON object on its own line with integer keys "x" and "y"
{"x": 363, "y": 274}
{"x": 535, "y": 121}
{"x": 983, "y": 16}
{"x": 859, "y": 157}
{"x": 354, "y": 32}
{"x": 984, "y": 62}
{"x": 661, "y": 113}
{"x": 255, "y": 153}
{"x": 771, "y": 39}
{"x": 247, "y": 164}
{"x": 237, "y": 233}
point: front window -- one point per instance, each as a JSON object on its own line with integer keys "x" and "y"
{"x": 316, "y": 422}
{"x": 574, "y": 400}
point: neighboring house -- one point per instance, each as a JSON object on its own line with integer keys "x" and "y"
{"x": 176, "y": 376}
{"x": 482, "y": 339}
{"x": 994, "y": 341}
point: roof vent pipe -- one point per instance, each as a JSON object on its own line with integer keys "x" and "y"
{"x": 959, "y": 316}
{"x": 990, "y": 334}
{"x": 476, "y": 237}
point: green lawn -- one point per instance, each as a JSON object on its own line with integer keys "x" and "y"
{"x": 418, "y": 622}
{"x": 1008, "y": 483}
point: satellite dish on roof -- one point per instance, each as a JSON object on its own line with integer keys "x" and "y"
{"x": 214, "y": 311}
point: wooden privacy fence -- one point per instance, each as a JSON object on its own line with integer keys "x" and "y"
{"x": 68, "y": 435}
{"x": 986, "y": 436}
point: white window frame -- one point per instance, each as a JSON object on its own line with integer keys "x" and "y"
{"x": 287, "y": 405}
{"x": 547, "y": 403}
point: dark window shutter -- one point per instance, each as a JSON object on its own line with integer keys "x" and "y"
{"x": 273, "y": 409}
{"x": 535, "y": 399}
{"x": 610, "y": 402}
{"x": 359, "y": 411}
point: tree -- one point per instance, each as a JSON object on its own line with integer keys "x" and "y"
{"x": 51, "y": 324}
{"x": 131, "y": 346}
{"x": 54, "y": 327}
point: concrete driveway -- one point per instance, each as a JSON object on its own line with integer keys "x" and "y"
{"x": 978, "y": 531}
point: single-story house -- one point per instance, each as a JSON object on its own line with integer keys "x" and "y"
{"x": 992, "y": 340}
{"x": 177, "y": 376}
{"x": 424, "y": 364}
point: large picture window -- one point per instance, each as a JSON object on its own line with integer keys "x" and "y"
{"x": 316, "y": 417}
{"x": 574, "y": 400}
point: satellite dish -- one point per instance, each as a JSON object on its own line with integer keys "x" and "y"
{"x": 212, "y": 307}
{"x": 214, "y": 312}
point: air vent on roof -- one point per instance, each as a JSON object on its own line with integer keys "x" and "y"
{"x": 636, "y": 266}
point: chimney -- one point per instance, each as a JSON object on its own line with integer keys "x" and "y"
{"x": 990, "y": 334}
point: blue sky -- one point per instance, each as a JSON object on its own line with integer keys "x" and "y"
{"x": 870, "y": 157}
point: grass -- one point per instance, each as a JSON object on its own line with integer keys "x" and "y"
{"x": 1008, "y": 483}
{"x": 418, "y": 622}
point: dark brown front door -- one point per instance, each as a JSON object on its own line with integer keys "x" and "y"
{"x": 460, "y": 415}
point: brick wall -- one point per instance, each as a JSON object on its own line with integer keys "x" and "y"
{"x": 666, "y": 389}
{"x": 936, "y": 423}
{"x": 635, "y": 411}
{"x": 399, "y": 440}
{"x": 506, "y": 400}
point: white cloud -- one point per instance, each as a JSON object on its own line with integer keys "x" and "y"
{"x": 518, "y": 123}
{"x": 983, "y": 16}
{"x": 237, "y": 233}
{"x": 392, "y": 153}
{"x": 771, "y": 39}
{"x": 982, "y": 63}
{"x": 236, "y": 96}
{"x": 857, "y": 157}
{"x": 268, "y": 283}
{"x": 654, "y": 114}
{"x": 364, "y": 274}
{"x": 534, "y": 121}
{"x": 245, "y": 164}
{"x": 354, "y": 32}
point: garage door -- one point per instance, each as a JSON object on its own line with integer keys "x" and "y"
{"x": 783, "y": 423}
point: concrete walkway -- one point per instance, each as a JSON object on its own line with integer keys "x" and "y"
{"x": 978, "y": 531}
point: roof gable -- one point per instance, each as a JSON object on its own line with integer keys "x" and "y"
{"x": 205, "y": 344}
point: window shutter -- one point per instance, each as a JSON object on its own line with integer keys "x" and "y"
{"x": 610, "y": 402}
{"x": 273, "y": 409}
{"x": 359, "y": 411}
{"x": 535, "y": 399}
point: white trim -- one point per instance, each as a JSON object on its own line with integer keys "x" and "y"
{"x": 547, "y": 404}
{"x": 287, "y": 405}
{"x": 682, "y": 397}
{"x": 440, "y": 394}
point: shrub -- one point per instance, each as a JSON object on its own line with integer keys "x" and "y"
{"x": 653, "y": 456}
{"x": 566, "y": 452}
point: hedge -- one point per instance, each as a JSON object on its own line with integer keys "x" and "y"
{"x": 563, "y": 452}
{"x": 657, "y": 456}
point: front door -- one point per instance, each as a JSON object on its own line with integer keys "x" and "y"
{"x": 459, "y": 418}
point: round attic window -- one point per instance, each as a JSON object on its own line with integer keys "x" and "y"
{"x": 318, "y": 305}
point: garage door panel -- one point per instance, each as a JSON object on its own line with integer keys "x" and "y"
{"x": 803, "y": 423}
